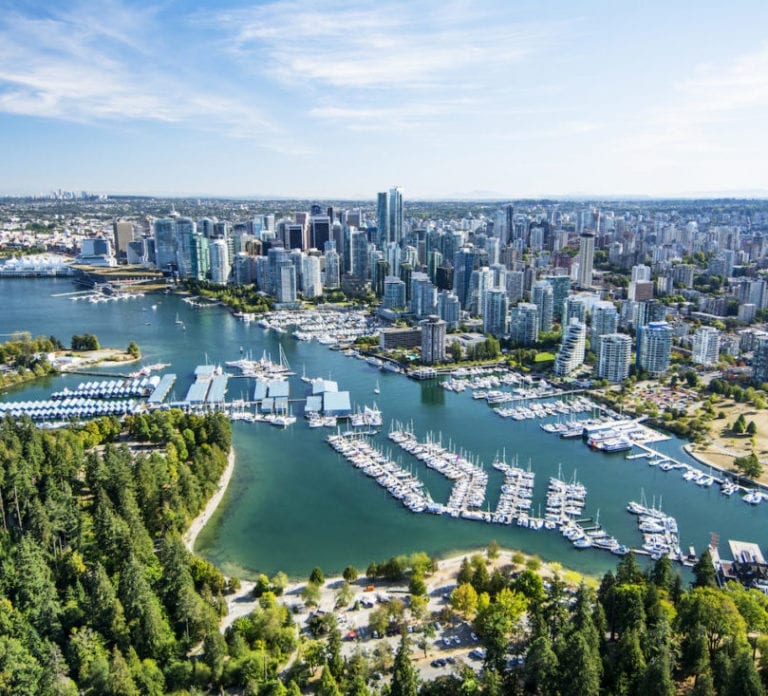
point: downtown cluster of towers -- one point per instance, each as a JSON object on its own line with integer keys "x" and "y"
{"x": 515, "y": 274}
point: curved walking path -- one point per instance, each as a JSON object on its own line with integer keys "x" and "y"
{"x": 190, "y": 536}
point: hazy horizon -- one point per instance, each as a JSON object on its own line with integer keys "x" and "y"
{"x": 341, "y": 99}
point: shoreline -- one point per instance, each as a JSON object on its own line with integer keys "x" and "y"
{"x": 242, "y": 602}
{"x": 196, "y": 526}
{"x": 701, "y": 459}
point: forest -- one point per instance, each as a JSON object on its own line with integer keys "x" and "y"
{"x": 98, "y": 595}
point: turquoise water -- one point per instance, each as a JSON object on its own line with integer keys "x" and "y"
{"x": 294, "y": 503}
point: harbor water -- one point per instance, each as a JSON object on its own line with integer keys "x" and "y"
{"x": 294, "y": 503}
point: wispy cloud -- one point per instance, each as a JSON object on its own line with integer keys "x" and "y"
{"x": 113, "y": 65}
{"x": 708, "y": 114}
{"x": 383, "y": 45}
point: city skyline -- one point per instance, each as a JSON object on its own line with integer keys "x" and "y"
{"x": 341, "y": 99}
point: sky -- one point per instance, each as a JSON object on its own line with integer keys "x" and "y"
{"x": 341, "y": 99}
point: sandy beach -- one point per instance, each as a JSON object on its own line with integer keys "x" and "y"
{"x": 201, "y": 520}
{"x": 242, "y": 602}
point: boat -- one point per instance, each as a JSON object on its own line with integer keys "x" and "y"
{"x": 283, "y": 420}
{"x": 753, "y": 498}
{"x": 377, "y": 388}
{"x": 179, "y": 322}
{"x": 614, "y": 445}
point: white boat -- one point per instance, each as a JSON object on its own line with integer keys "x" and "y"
{"x": 377, "y": 388}
{"x": 753, "y": 498}
{"x": 283, "y": 420}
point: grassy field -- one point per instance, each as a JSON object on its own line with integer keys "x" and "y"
{"x": 725, "y": 445}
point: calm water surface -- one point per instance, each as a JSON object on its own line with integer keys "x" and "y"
{"x": 294, "y": 503}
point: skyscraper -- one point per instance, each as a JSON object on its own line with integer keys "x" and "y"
{"x": 615, "y": 352}
{"x": 495, "y": 312}
{"x": 542, "y": 297}
{"x": 286, "y": 287}
{"x": 382, "y": 218}
{"x": 448, "y": 308}
{"x": 524, "y": 323}
{"x": 219, "y": 261}
{"x": 358, "y": 244}
{"x": 570, "y": 356}
{"x": 706, "y": 346}
{"x": 124, "y": 232}
{"x": 605, "y": 320}
{"x": 654, "y": 345}
{"x": 332, "y": 263}
{"x": 433, "y": 331}
{"x": 561, "y": 286}
{"x": 574, "y": 308}
{"x": 394, "y": 293}
{"x": 165, "y": 242}
{"x": 586, "y": 259}
{"x": 396, "y": 214}
{"x": 275, "y": 256}
{"x": 319, "y": 231}
{"x": 760, "y": 361}
{"x": 423, "y": 295}
{"x": 311, "y": 284}
{"x": 481, "y": 281}
{"x": 463, "y": 263}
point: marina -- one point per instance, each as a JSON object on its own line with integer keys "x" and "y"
{"x": 287, "y": 480}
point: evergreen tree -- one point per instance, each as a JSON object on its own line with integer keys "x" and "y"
{"x": 704, "y": 571}
{"x": 580, "y": 668}
{"x": 108, "y": 617}
{"x": 465, "y": 572}
{"x": 657, "y": 678}
{"x": 328, "y": 685}
{"x": 744, "y": 680}
{"x": 404, "y": 679}
{"x": 20, "y": 673}
{"x": 704, "y": 684}
{"x": 676, "y": 592}
{"x": 541, "y": 667}
{"x": 630, "y": 662}
{"x": 358, "y": 687}
{"x": 214, "y": 652}
{"x": 492, "y": 683}
{"x": 120, "y": 680}
{"x": 607, "y": 598}
{"x": 662, "y": 573}
{"x": 335, "y": 660}
{"x": 628, "y": 571}
{"x": 481, "y": 580}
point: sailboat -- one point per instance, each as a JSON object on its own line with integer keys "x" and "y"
{"x": 283, "y": 420}
{"x": 377, "y": 389}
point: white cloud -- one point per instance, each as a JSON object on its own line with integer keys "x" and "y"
{"x": 384, "y": 45}
{"x": 90, "y": 67}
{"x": 711, "y": 114}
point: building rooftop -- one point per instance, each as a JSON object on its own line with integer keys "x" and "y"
{"x": 320, "y": 386}
{"x": 218, "y": 389}
{"x": 337, "y": 403}
{"x": 745, "y": 552}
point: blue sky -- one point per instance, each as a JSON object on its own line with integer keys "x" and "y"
{"x": 343, "y": 99}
